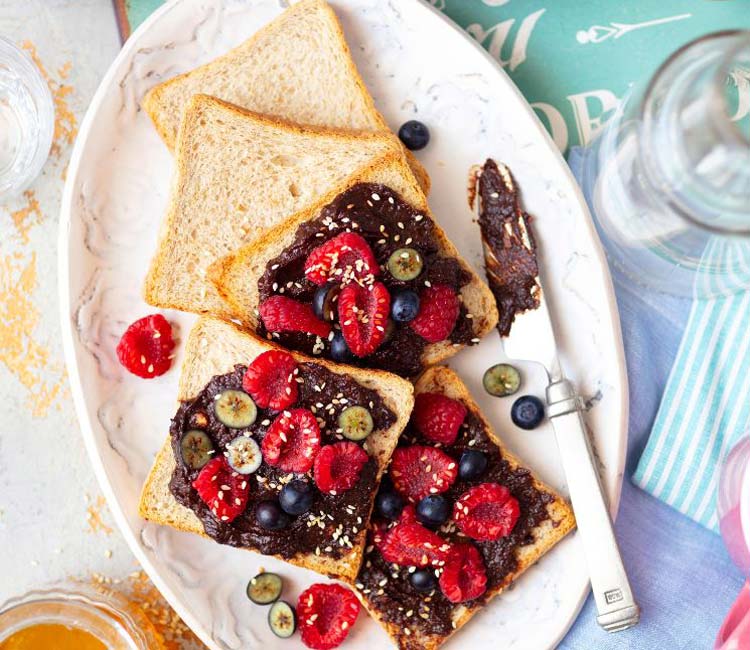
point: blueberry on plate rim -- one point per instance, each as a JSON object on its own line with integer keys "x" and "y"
{"x": 527, "y": 412}
{"x": 282, "y": 619}
{"x": 414, "y": 134}
{"x": 265, "y": 588}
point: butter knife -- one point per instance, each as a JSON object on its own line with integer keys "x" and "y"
{"x": 532, "y": 338}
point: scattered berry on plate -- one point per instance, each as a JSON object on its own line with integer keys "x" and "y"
{"x": 283, "y": 314}
{"x": 414, "y": 134}
{"x": 222, "y": 489}
{"x": 270, "y": 516}
{"x": 433, "y": 510}
{"x": 270, "y": 380}
{"x": 438, "y": 417}
{"x": 324, "y": 301}
{"x": 340, "y": 351}
{"x": 501, "y": 380}
{"x": 243, "y": 455}
{"x": 296, "y": 497}
{"x": 438, "y": 311}
{"x": 423, "y": 580}
{"x": 344, "y": 258}
{"x": 404, "y": 306}
{"x": 527, "y": 412}
{"x": 472, "y": 465}
{"x": 405, "y": 264}
{"x": 363, "y": 315}
{"x": 292, "y": 441}
{"x": 464, "y": 576}
{"x": 265, "y": 588}
{"x": 282, "y": 619}
{"x": 338, "y": 466}
{"x": 486, "y": 512}
{"x": 235, "y": 409}
{"x": 409, "y": 543}
{"x": 326, "y": 613}
{"x": 418, "y": 471}
{"x": 389, "y": 504}
{"x": 145, "y": 349}
{"x": 355, "y": 422}
{"x": 196, "y": 448}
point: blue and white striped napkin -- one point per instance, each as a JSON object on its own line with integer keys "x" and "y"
{"x": 706, "y": 403}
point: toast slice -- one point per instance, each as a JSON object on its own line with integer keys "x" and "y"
{"x": 213, "y": 348}
{"x": 236, "y": 275}
{"x": 298, "y": 68}
{"x": 237, "y": 174}
{"x": 414, "y": 632}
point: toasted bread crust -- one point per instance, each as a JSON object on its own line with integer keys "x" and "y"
{"x": 561, "y": 520}
{"x": 160, "y": 107}
{"x": 236, "y": 275}
{"x": 157, "y": 503}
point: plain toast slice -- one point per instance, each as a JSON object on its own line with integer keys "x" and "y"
{"x": 549, "y": 532}
{"x": 239, "y": 173}
{"x": 236, "y": 275}
{"x": 213, "y": 348}
{"x": 298, "y": 68}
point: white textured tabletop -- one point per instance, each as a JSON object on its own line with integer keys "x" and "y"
{"x": 54, "y": 523}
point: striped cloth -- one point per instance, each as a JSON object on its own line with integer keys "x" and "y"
{"x": 706, "y": 403}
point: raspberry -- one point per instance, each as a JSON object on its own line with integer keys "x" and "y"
{"x": 292, "y": 441}
{"x": 486, "y": 512}
{"x": 269, "y": 379}
{"x": 438, "y": 417}
{"x": 344, "y": 258}
{"x": 409, "y": 543}
{"x": 222, "y": 489}
{"x": 363, "y": 314}
{"x": 338, "y": 466}
{"x": 282, "y": 314}
{"x": 438, "y": 311}
{"x": 464, "y": 576}
{"x": 145, "y": 348}
{"x": 326, "y": 613}
{"x": 418, "y": 471}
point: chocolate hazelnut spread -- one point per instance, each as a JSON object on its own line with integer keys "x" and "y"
{"x": 335, "y": 522}
{"x": 431, "y": 613}
{"x": 509, "y": 246}
{"x": 387, "y": 223}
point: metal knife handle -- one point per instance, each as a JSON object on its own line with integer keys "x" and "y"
{"x": 614, "y": 599}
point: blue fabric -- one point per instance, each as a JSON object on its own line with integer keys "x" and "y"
{"x": 681, "y": 574}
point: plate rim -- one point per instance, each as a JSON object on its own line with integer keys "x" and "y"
{"x": 68, "y": 334}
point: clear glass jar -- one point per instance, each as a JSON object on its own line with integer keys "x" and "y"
{"x": 117, "y": 623}
{"x": 27, "y": 120}
{"x": 668, "y": 179}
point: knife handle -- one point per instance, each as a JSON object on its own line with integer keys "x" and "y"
{"x": 614, "y": 598}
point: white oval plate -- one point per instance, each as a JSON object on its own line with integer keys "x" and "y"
{"x": 417, "y": 64}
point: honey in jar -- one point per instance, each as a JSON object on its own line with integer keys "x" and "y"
{"x": 51, "y": 635}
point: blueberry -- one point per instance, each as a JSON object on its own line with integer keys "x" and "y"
{"x": 270, "y": 516}
{"x": 433, "y": 510}
{"x": 405, "y": 306}
{"x": 527, "y": 412}
{"x": 414, "y": 135}
{"x": 339, "y": 349}
{"x": 472, "y": 465}
{"x": 423, "y": 580}
{"x": 324, "y": 302}
{"x": 296, "y": 497}
{"x": 389, "y": 504}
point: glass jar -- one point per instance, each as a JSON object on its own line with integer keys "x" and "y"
{"x": 27, "y": 120}
{"x": 668, "y": 179}
{"x": 114, "y": 622}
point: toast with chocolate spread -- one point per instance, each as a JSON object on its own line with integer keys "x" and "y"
{"x": 297, "y": 68}
{"x": 238, "y": 173}
{"x": 422, "y": 580}
{"x": 370, "y": 239}
{"x": 226, "y": 428}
